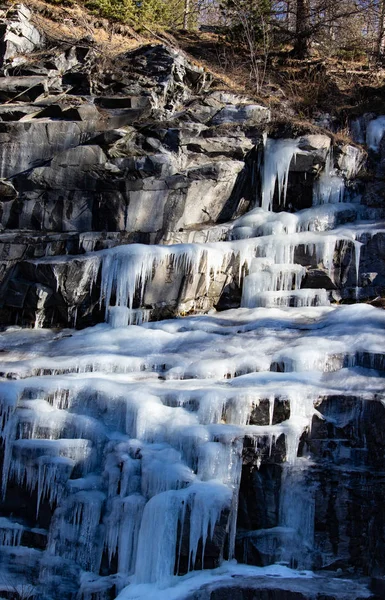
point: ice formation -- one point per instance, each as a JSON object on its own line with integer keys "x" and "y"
{"x": 133, "y": 432}
{"x": 374, "y": 133}
{"x": 278, "y": 155}
{"x": 330, "y": 186}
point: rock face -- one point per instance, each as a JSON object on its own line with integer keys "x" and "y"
{"x": 144, "y": 157}
{"x": 153, "y": 156}
{"x": 346, "y": 451}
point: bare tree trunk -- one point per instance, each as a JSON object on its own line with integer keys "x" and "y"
{"x": 381, "y": 31}
{"x": 302, "y": 30}
{"x": 186, "y": 13}
{"x": 289, "y": 18}
{"x": 331, "y": 23}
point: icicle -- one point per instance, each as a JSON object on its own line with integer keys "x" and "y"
{"x": 163, "y": 513}
{"x": 271, "y": 408}
{"x": 53, "y": 474}
{"x": 122, "y": 530}
{"x": 330, "y": 187}
{"x": 28, "y": 454}
{"x": 127, "y": 269}
{"x": 238, "y": 409}
{"x": 133, "y": 507}
{"x": 8, "y": 435}
{"x": 375, "y": 132}
{"x": 297, "y": 508}
{"x": 10, "y": 532}
{"x": 39, "y": 318}
{"x": 274, "y": 278}
{"x": 121, "y": 316}
{"x": 278, "y": 155}
{"x": 155, "y": 562}
{"x": 357, "y": 130}
{"x": 75, "y": 532}
{"x": 211, "y": 407}
{"x": 357, "y": 257}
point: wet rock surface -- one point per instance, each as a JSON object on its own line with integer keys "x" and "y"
{"x": 289, "y": 589}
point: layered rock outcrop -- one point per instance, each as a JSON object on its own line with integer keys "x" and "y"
{"x": 144, "y": 153}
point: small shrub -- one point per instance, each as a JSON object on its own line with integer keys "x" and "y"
{"x": 116, "y": 10}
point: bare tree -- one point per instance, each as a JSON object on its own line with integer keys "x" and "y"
{"x": 302, "y": 29}
{"x": 258, "y": 49}
{"x": 186, "y": 13}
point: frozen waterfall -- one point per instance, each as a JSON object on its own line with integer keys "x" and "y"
{"x": 135, "y": 436}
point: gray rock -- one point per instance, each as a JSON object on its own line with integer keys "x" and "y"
{"x": 250, "y": 114}
{"x": 24, "y": 145}
{"x": 274, "y": 588}
{"x": 314, "y": 149}
{"x": 25, "y": 88}
{"x": 19, "y": 35}
{"x": 350, "y": 160}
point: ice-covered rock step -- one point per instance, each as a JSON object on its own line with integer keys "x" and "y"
{"x": 170, "y": 349}
{"x": 298, "y": 298}
{"x": 15, "y": 533}
{"x": 231, "y": 401}
{"x": 247, "y": 411}
{"x": 20, "y": 566}
{"x": 206, "y": 361}
{"x": 257, "y": 222}
{"x": 167, "y": 279}
{"x": 45, "y": 464}
{"x": 275, "y": 582}
{"x": 10, "y": 532}
{"x": 194, "y": 347}
{"x": 38, "y": 419}
{"x": 313, "y": 355}
{"x": 192, "y": 261}
{"x": 257, "y": 398}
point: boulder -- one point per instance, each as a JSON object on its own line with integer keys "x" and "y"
{"x": 245, "y": 114}
{"x": 241, "y": 587}
{"x": 314, "y": 149}
{"x": 19, "y": 34}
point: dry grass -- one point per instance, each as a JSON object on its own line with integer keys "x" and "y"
{"x": 291, "y": 87}
{"x": 74, "y": 23}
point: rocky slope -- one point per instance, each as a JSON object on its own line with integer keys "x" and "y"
{"x": 143, "y": 152}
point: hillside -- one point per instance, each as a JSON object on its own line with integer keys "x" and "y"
{"x": 292, "y": 88}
